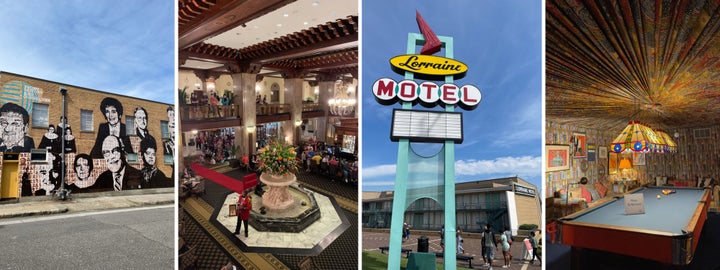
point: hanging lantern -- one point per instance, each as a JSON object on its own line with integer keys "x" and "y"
{"x": 636, "y": 137}
{"x": 670, "y": 144}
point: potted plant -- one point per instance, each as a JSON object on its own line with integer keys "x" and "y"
{"x": 277, "y": 158}
{"x": 232, "y": 160}
{"x": 182, "y": 96}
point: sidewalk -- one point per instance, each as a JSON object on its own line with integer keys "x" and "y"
{"x": 47, "y": 205}
{"x": 373, "y": 239}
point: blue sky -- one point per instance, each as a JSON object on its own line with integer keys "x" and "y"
{"x": 500, "y": 41}
{"x": 124, "y": 47}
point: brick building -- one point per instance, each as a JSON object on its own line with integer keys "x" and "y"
{"x": 112, "y": 142}
{"x": 500, "y": 202}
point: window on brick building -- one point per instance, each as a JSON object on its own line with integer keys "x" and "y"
{"x": 40, "y": 115}
{"x": 130, "y": 125}
{"x": 164, "y": 129}
{"x": 86, "y": 120}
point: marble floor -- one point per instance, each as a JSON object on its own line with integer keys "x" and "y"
{"x": 307, "y": 239}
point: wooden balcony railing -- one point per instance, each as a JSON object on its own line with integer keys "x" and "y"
{"x": 270, "y": 109}
{"x": 202, "y": 112}
{"x": 310, "y": 107}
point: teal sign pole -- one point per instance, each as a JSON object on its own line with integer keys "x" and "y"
{"x": 401, "y": 176}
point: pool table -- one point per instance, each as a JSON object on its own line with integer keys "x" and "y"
{"x": 668, "y": 232}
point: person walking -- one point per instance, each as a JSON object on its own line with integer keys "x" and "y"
{"x": 536, "y": 252}
{"x": 244, "y": 204}
{"x": 505, "y": 249}
{"x": 442, "y": 237}
{"x": 460, "y": 248}
{"x": 508, "y": 234}
{"x": 489, "y": 245}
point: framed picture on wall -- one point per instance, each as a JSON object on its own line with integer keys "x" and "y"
{"x": 602, "y": 152}
{"x": 638, "y": 159}
{"x": 557, "y": 157}
{"x": 590, "y": 153}
{"x": 612, "y": 163}
{"x": 579, "y": 145}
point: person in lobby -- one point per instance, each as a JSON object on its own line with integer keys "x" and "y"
{"x": 244, "y": 205}
{"x": 119, "y": 175}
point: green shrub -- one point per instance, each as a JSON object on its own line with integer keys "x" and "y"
{"x": 528, "y": 227}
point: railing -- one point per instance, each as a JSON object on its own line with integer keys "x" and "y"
{"x": 270, "y": 109}
{"x": 201, "y": 112}
{"x": 310, "y": 107}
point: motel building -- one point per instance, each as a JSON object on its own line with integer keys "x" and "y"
{"x": 499, "y": 202}
{"x": 105, "y": 134}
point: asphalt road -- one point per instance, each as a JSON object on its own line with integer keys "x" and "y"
{"x": 135, "y": 238}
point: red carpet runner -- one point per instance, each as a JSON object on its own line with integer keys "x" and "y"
{"x": 224, "y": 180}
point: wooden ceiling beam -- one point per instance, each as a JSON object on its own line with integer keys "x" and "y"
{"x": 337, "y": 44}
{"x": 221, "y": 17}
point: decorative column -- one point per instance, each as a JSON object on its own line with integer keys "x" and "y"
{"x": 326, "y": 87}
{"x": 293, "y": 96}
{"x": 244, "y": 77}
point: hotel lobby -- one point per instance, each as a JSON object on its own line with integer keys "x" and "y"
{"x": 250, "y": 74}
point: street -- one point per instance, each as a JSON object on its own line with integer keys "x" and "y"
{"x": 134, "y": 238}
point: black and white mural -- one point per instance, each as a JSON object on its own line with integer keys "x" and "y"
{"x": 116, "y": 161}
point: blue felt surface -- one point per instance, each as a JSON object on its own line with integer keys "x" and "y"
{"x": 670, "y": 214}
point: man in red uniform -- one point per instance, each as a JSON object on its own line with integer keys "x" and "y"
{"x": 244, "y": 204}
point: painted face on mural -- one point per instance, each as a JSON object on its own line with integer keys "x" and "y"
{"x": 111, "y": 152}
{"x": 141, "y": 119}
{"x": 82, "y": 168}
{"x": 171, "y": 119}
{"x": 111, "y": 115}
{"x": 44, "y": 177}
{"x": 13, "y": 128}
{"x": 171, "y": 124}
{"x": 150, "y": 156}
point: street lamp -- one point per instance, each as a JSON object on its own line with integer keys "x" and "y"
{"x": 63, "y": 193}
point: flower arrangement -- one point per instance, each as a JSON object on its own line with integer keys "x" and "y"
{"x": 278, "y": 158}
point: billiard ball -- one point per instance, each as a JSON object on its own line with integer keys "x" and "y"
{"x": 658, "y": 196}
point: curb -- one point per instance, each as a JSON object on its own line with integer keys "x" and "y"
{"x": 33, "y": 211}
{"x": 49, "y": 207}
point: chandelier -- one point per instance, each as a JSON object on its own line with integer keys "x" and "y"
{"x": 343, "y": 101}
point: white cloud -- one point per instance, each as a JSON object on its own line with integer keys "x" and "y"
{"x": 525, "y": 165}
{"x": 376, "y": 171}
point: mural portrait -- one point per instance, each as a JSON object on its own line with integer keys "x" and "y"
{"x": 151, "y": 174}
{"x": 112, "y": 110}
{"x": 82, "y": 167}
{"x": 119, "y": 175}
{"x": 14, "y": 124}
{"x": 51, "y": 141}
{"x": 170, "y": 142}
{"x": 141, "y": 120}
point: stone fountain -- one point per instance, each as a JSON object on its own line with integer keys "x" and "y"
{"x": 284, "y": 207}
{"x": 277, "y": 196}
